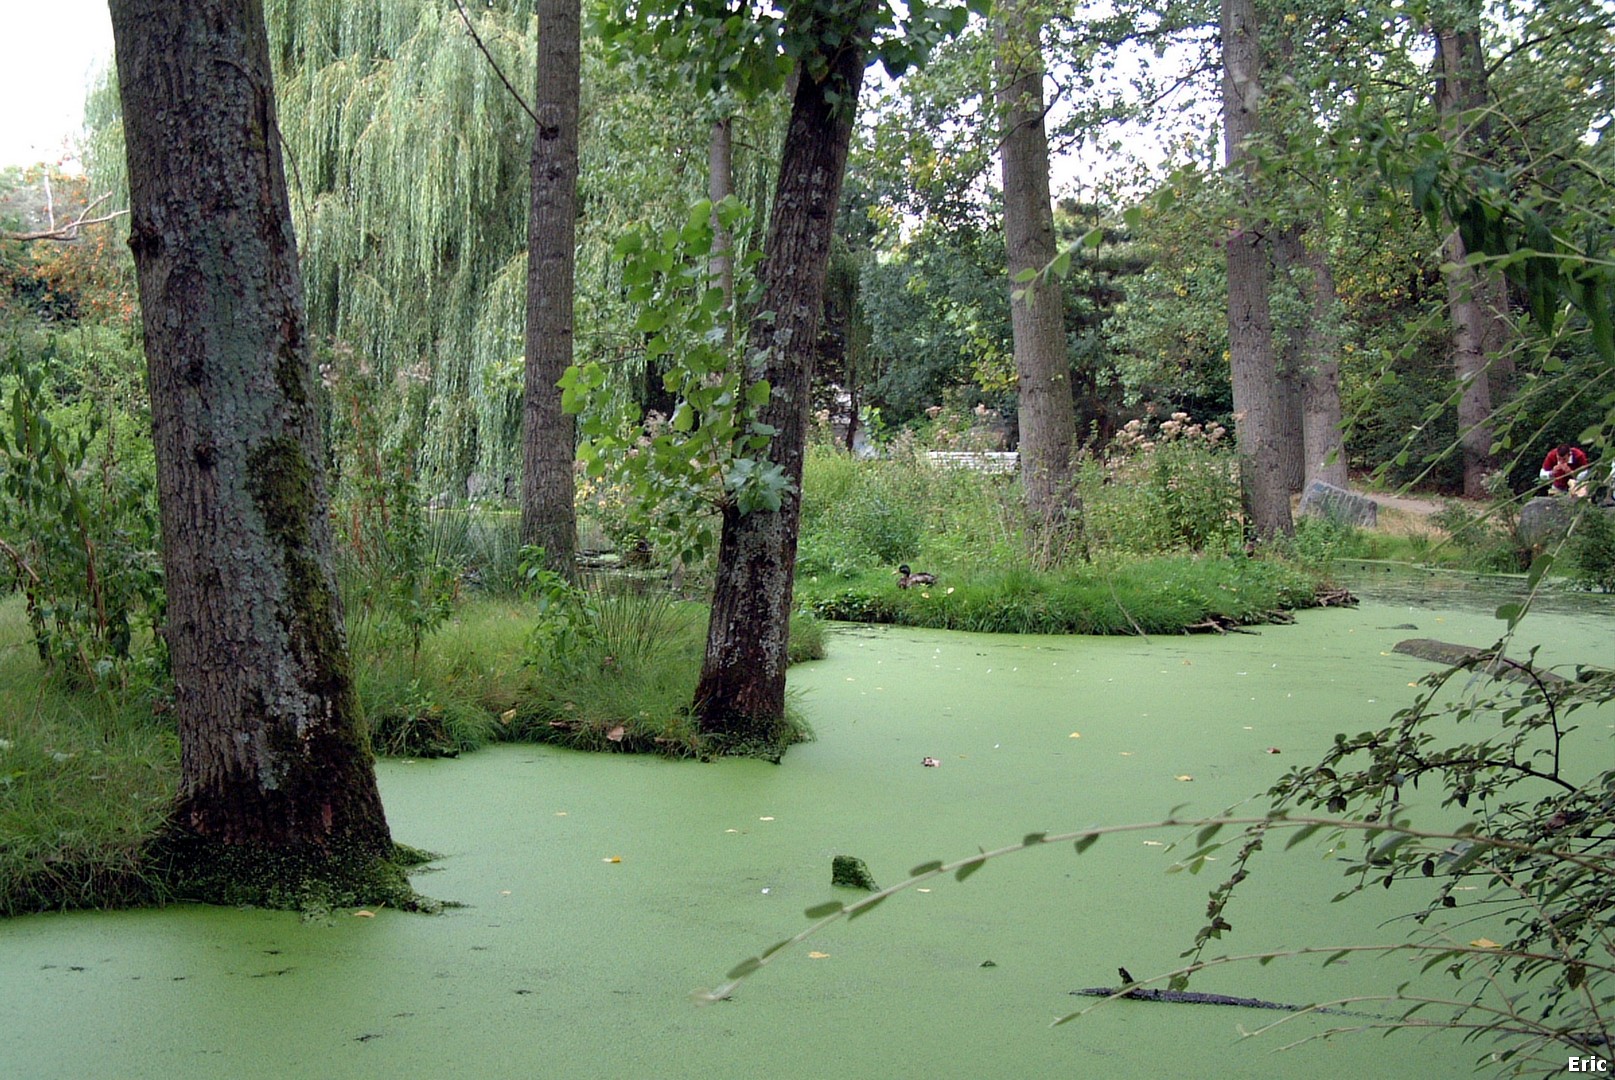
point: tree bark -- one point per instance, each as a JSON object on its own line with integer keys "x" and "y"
{"x": 1477, "y": 300}
{"x": 1313, "y": 352}
{"x": 740, "y": 699}
{"x": 1257, "y": 401}
{"x": 549, "y": 518}
{"x": 1037, "y": 320}
{"x": 278, "y": 796}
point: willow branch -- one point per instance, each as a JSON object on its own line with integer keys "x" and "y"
{"x": 465, "y": 17}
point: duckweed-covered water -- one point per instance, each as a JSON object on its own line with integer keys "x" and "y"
{"x": 601, "y": 890}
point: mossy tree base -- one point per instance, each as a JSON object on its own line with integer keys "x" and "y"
{"x": 738, "y": 735}
{"x": 307, "y": 879}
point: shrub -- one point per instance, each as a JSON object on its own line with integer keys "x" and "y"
{"x": 1592, "y": 550}
{"x": 80, "y": 531}
{"x": 1172, "y": 486}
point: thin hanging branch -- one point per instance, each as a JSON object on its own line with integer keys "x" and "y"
{"x": 465, "y": 17}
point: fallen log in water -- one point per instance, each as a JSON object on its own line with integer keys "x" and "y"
{"x": 1445, "y": 652}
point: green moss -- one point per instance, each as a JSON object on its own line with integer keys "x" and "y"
{"x": 308, "y": 879}
{"x": 281, "y": 481}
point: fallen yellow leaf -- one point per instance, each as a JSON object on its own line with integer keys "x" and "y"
{"x": 1154, "y": 843}
{"x": 1075, "y": 735}
{"x": 818, "y": 956}
{"x": 507, "y": 716}
{"x": 765, "y": 819}
{"x": 1485, "y": 943}
{"x": 1185, "y": 778}
{"x": 362, "y": 914}
{"x": 560, "y": 813}
{"x": 613, "y": 858}
{"x": 1127, "y": 753}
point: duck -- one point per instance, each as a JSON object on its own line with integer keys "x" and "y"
{"x": 907, "y": 579}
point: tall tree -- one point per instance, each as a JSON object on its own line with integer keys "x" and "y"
{"x": 278, "y": 795}
{"x": 1258, "y": 404}
{"x": 1312, "y": 351}
{"x": 741, "y": 694}
{"x": 1477, "y": 301}
{"x": 1042, "y": 365}
{"x": 548, "y": 517}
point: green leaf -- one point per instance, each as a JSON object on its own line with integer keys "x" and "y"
{"x": 1301, "y": 834}
{"x": 968, "y": 868}
{"x": 1032, "y": 839}
{"x": 820, "y": 911}
{"x": 744, "y": 968}
{"x": 1539, "y": 566}
{"x": 1083, "y": 843}
{"x": 926, "y": 868}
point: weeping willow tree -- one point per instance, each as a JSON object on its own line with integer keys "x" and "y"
{"x": 413, "y": 171}
{"x": 407, "y": 159}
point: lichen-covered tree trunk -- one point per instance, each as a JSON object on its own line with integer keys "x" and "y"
{"x": 278, "y": 797}
{"x": 1313, "y": 353}
{"x": 548, "y": 433}
{"x": 1037, "y": 320}
{"x": 1258, "y": 406}
{"x": 1477, "y": 300}
{"x": 740, "y": 699}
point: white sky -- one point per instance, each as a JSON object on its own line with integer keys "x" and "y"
{"x": 49, "y": 52}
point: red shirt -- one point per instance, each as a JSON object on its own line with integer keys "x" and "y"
{"x": 1561, "y": 469}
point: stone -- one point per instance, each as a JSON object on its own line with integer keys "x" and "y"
{"x": 1339, "y": 505}
{"x": 1544, "y": 521}
{"x": 850, "y": 872}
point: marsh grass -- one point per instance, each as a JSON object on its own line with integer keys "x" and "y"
{"x": 85, "y": 780}
{"x": 629, "y": 685}
{"x": 1157, "y": 596}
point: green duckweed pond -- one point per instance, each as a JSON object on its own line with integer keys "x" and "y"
{"x": 600, "y": 891}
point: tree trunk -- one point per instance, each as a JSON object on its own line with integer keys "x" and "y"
{"x": 548, "y": 434}
{"x": 721, "y": 185}
{"x": 1257, "y": 401}
{"x": 1291, "y": 423}
{"x": 278, "y": 800}
{"x": 1313, "y": 353}
{"x": 1477, "y": 300}
{"x": 740, "y": 700}
{"x": 1037, "y": 320}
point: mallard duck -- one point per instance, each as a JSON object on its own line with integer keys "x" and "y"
{"x": 907, "y": 579}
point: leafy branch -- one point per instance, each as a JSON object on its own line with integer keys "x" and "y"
{"x": 1205, "y": 833}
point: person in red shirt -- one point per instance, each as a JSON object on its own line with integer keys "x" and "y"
{"x": 1563, "y": 465}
